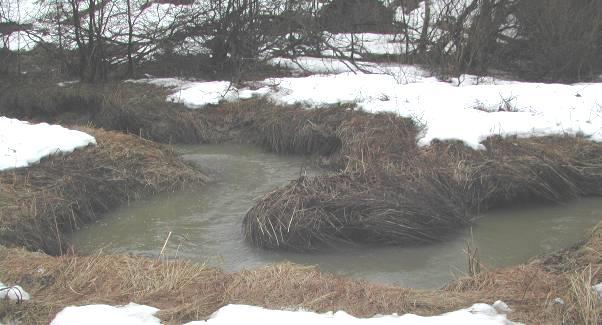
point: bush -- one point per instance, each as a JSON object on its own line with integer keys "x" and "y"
{"x": 559, "y": 40}
{"x": 352, "y": 16}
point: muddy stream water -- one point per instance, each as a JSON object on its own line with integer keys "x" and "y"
{"x": 206, "y": 226}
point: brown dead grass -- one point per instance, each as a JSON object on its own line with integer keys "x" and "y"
{"x": 185, "y": 291}
{"x": 390, "y": 191}
{"x": 62, "y": 192}
{"x": 182, "y": 288}
{"x": 126, "y": 107}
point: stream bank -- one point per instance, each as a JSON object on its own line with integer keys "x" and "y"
{"x": 41, "y": 203}
{"x": 373, "y": 153}
{"x": 186, "y": 291}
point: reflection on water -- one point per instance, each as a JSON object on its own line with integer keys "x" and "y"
{"x": 206, "y": 226}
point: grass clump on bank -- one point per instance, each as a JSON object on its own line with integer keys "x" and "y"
{"x": 390, "y": 191}
{"x": 121, "y": 106}
{"x": 42, "y": 202}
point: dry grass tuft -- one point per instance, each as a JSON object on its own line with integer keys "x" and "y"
{"x": 315, "y": 211}
{"x": 127, "y": 107}
{"x": 289, "y": 286}
{"x": 586, "y": 301}
{"x": 180, "y": 289}
{"x": 400, "y": 194}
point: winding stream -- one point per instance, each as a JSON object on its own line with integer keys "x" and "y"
{"x": 206, "y": 226}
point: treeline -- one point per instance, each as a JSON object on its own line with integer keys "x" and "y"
{"x": 549, "y": 40}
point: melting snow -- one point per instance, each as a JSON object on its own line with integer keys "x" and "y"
{"x": 131, "y": 314}
{"x": 481, "y": 314}
{"x": 23, "y": 144}
{"x": 468, "y": 108}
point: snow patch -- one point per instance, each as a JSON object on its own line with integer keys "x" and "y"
{"x": 135, "y": 314}
{"x": 481, "y": 314}
{"x": 199, "y": 94}
{"x": 16, "y": 293}
{"x": 23, "y": 144}
{"x": 130, "y": 314}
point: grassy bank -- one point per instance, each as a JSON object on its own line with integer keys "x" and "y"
{"x": 126, "y": 107}
{"x": 396, "y": 193}
{"x": 42, "y": 202}
{"x": 185, "y": 291}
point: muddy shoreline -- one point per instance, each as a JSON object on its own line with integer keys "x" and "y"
{"x": 374, "y": 154}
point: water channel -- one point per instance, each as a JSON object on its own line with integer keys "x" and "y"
{"x": 206, "y": 226}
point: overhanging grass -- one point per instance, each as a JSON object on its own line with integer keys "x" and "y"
{"x": 62, "y": 192}
{"x": 392, "y": 192}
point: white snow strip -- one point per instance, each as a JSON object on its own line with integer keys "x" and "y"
{"x": 467, "y": 108}
{"x": 131, "y": 314}
{"x": 199, "y": 94}
{"x": 134, "y": 314}
{"x": 15, "y": 293}
{"x": 481, "y": 314}
{"x": 23, "y": 144}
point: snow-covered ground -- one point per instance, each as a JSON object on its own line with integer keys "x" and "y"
{"x": 468, "y": 108}
{"x": 130, "y": 314}
{"x": 133, "y": 314}
{"x": 23, "y": 144}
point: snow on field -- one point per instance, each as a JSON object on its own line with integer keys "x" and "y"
{"x": 23, "y": 144}
{"x": 13, "y": 293}
{"x": 196, "y": 95}
{"x": 131, "y": 314}
{"x": 481, "y": 314}
{"x": 241, "y": 314}
{"x": 468, "y": 108}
